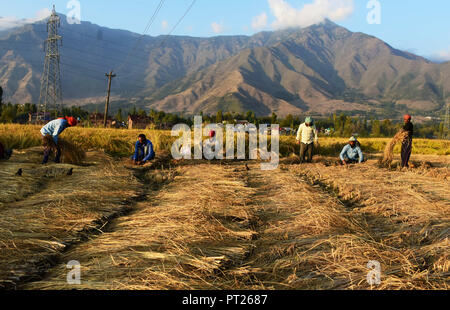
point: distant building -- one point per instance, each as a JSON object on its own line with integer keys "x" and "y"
{"x": 138, "y": 122}
{"x": 39, "y": 118}
{"x": 242, "y": 122}
{"x": 287, "y": 131}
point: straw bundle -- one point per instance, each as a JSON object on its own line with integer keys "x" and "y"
{"x": 388, "y": 154}
{"x": 70, "y": 153}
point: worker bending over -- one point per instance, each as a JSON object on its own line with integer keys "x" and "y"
{"x": 50, "y": 133}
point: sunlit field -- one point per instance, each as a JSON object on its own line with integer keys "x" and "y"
{"x": 197, "y": 224}
{"x": 120, "y": 142}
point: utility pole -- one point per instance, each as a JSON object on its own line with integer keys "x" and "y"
{"x": 50, "y": 97}
{"x": 447, "y": 122}
{"x": 447, "y": 110}
{"x": 110, "y": 76}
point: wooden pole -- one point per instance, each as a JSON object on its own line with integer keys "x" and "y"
{"x": 110, "y": 76}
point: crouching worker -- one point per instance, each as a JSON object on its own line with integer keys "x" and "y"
{"x": 351, "y": 153}
{"x": 143, "y": 151}
{"x": 50, "y": 133}
{"x": 4, "y": 153}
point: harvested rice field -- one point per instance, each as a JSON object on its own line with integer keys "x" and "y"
{"x": 201, "y": 225}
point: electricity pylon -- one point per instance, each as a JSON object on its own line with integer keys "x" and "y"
{"x": 50, "y": 98}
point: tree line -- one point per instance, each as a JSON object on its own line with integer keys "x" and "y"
{"x": 341, "y": 125}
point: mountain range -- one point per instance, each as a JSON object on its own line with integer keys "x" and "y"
{"x": 319, "y": 69}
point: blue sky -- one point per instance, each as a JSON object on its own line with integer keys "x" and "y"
{"x": 419, "y": 26}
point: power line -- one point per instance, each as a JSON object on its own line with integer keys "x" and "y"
{"x": 149, "y": 24}
{"x": 180, "y": 20}
{"x": 175, "y": 26}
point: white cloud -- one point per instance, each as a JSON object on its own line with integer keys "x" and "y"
{"x": 217, "y": 28}
{"x": 259, "y": 22}
{"x": 441, "y": 56}
{"x": 12, "y": 22}
{"x": 286, "y": 16}
{"x": 164, "y": 24}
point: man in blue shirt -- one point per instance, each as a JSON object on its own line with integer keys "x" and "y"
{"x": 50, "y": 133}
{"x": 351, "y": 153}
{"x": 143, "y": 151}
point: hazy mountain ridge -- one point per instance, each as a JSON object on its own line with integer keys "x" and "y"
{"x": 320, "y": 68}
{"x": 310, "y": 70}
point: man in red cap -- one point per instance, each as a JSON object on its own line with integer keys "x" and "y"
{"x": 209, "y": 145}
{"x": 407, "y": 142}
{"x": 54, "y": 129}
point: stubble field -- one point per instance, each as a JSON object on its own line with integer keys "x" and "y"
{"x": 221, "y": 224}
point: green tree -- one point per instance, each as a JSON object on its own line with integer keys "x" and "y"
{"x": 142, "y": 113}
{"x": 118, "y": 116}
{"x": 387, "y": 129}
{"x": 1, "y": 98}
{"x": 219, "y": 117}
{"x": 288, "y": 121}
{"x": 250, "y": 116}
{"x": 9, "y": 113}
{"x": 441, "y": 130}
{"x": 376, "y": 128}
{"x": 133, "y": 111}
{"x": 348, "y": 128}
{"x": 273, "y": 118}
{"x": 335, "y": 122}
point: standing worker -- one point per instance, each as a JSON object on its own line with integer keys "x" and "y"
{"x": 407, "y": 142}
{"x": 50, "y": 133}
{"x": 306, "y": 137}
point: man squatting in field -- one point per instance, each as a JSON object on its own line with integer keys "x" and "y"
{"x": 351, "y": 153}
{"x": 143, "y": 151}
{"x": 407, "y": 142}
{"x": 50, "y": 133}
{"x": 307, "y": 137}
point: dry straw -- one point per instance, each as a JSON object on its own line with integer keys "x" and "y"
{"x": 70, "y": 153}
{"x": 388, "y": 155}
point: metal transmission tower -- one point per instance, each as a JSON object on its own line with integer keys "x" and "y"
{"x": 50, "y": 98}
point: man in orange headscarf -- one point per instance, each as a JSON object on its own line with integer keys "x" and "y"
{"x": 53, "y": 129}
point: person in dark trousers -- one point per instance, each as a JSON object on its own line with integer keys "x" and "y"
{"x": 307, "y": 137}
{"x": 143, "y": 151}
{"x": 407, "y": 142}
{"x": 50, "y": 133}
{"x": 4, "y": 153}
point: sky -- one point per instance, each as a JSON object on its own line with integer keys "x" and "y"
{"x": 418, "y": 26}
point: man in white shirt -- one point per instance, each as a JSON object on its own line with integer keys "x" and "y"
{"x": 306, "y": 137}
